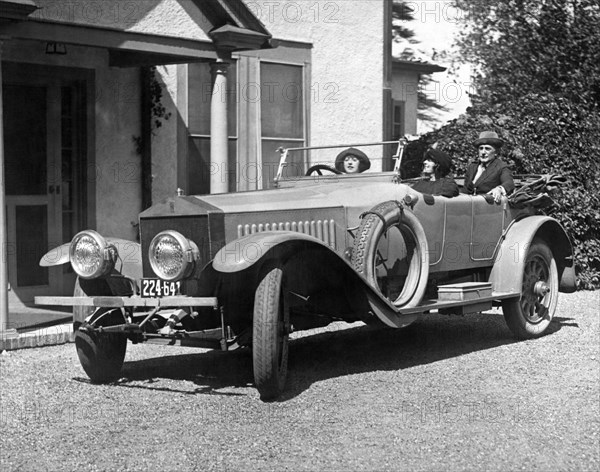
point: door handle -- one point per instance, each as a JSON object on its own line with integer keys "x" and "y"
{"x": 54, "y": 188}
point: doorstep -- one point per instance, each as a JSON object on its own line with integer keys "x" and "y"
{"x": 31, "y": 326}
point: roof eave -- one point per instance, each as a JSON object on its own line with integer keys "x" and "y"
{"x": 232, "y": 38}
{"x": 17, "y": 9}
{"x": 421, "y": 67}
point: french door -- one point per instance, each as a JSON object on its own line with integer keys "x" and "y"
{"x": 43, "y": 142}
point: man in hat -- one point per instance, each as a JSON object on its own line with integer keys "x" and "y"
{"x": 352, "y": 161}
{"x": 435, "y": 180}
{"x": 490, "y": 175}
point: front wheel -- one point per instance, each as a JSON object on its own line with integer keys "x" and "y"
{"x": 530, "y": 315}
{"x": 270, "y": 337}
{"x": 101, "y": 354}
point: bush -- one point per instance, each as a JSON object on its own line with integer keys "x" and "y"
{"x": 543, "y": 133}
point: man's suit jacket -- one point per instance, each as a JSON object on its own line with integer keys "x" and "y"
{"x": 496, "y": 173}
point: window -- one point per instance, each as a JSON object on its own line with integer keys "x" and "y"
{"x": 282, "y": 118}
{"x": 200, "y": 94}
{"x": 398, "y": 120}
{"x": 266, "y": 107}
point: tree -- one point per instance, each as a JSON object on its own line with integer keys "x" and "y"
{"x": 401, "y": 14}
{"x": 525, "y": 46}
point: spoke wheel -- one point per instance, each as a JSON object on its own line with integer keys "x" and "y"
{"x": 270, "y": 338}
{"x": 530, "y": 316}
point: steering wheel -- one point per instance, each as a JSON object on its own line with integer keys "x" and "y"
{"x": 319, "y": 167}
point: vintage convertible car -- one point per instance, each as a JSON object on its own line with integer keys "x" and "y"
{"x": 246, "y": 269}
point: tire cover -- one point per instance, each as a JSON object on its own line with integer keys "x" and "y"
{"x": 373, "y": 226}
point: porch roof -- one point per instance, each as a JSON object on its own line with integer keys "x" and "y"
{"x": 16, "y": 9}
{"x": 231, "y": 27}
{"x": 417, "y": 66}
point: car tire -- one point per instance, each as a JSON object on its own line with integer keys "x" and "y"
{"x": 374, "y": 225}
{"x": 270, "y": 336}
{"x": 530, "y": 315}
{"x": 101, "y": 354}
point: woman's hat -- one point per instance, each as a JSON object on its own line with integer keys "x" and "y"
{"x": 441, "y": 158}
{"x": 489, "y": 137}
{"x": 363, "y": 161}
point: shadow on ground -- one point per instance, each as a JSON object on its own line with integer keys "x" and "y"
{"x": 331, "y": 354}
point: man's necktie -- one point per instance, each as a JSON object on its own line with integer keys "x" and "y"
{"x": 480, "y": 171}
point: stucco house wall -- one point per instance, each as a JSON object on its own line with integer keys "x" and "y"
{"x": 347, "y": 62}
{"x": 118, "y": 165}
{"x": 175, "y": 18}
{"x": 405, "y": 85}
{"x": 165, "y": 139}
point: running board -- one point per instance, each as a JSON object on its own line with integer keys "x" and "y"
{"x": 464, "y": 306}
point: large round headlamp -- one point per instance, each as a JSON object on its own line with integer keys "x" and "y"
{"x": 91, "y": 256}
{"x": 172, "y": 255}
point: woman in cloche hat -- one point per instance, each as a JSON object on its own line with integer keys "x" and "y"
{"x": 490, "y": 174}
{"x": 435, "y": 180}
{"x": 352, "y": 161}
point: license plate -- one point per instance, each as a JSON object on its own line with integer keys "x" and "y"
{"x": 152, "y": 288}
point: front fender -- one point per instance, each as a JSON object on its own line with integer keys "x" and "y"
{"x": 128, "y": 264}
{"x": 104, "y": 317}
{"x": 507, "y": 272}
{"x": 244, "y": 252}
{"x": 314, "y": 260}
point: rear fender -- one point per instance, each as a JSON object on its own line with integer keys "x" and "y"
{"x": 507, "y": 272}
{"x": 313, "y": 269}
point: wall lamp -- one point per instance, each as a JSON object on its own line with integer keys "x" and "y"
{"x": 56, "y": 48}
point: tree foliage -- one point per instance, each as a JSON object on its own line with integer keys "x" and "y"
{"x": 538, "y": 86}
{"x": 402, "y": 13}
{"x": 533, "y": 46}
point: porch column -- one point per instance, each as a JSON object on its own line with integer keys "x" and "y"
{"x": 3, "y": 238}
{"x": 218, "y": 128}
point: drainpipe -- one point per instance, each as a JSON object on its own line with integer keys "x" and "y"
{"x": 3, "y": 236}
{"x": 218, "y": 127}
{"x": 146, "y": 137}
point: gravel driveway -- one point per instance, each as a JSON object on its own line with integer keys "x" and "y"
{"x": 447, "y": 393}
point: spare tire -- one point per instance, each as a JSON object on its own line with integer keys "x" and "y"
{"x": 390, "y": 251}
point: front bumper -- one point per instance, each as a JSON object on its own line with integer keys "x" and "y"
{"x": 137, "y": 302}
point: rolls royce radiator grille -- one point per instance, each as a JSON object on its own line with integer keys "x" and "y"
{"x": 320, "y": 229}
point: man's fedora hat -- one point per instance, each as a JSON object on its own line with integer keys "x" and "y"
{"x": 489, "y": 137}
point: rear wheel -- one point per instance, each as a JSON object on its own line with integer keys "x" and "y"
{"x": 270, "y": 337}
{"x": 530, "y": 315}
{"x": 101, "y": 354}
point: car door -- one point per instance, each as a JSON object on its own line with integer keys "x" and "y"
{"x": 486, "y": 227}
